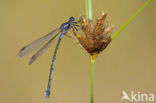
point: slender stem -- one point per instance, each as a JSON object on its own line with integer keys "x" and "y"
{"x": 92, "y": 78}
{"x": 89, "y": 9}
{"x": 89, "y": 17}
{"x": 123, "y": 27}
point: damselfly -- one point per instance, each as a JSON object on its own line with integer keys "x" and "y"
{"x": 37, "y": 43}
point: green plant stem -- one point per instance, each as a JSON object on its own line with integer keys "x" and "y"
{"x": 92, "y": 79}
{"x": 123, "y": 27}
{"x": 89, "y": 17}
{"x": 89, "y": 9}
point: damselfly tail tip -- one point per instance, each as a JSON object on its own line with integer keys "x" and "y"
{"x": 30, "y": 62}
{"x": 47, "y": 93}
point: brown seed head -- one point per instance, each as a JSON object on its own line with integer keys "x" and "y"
{"x": 94, "y": 38}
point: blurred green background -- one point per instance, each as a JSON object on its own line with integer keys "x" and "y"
{"x": 128, "y": 63}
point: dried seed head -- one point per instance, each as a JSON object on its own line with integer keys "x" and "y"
{"x": 94, "y": 38}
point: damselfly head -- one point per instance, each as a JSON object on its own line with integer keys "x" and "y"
{"x": 71, "y": 18}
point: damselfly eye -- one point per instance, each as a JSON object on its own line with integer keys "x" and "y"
{"x": 71, "y": 18}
